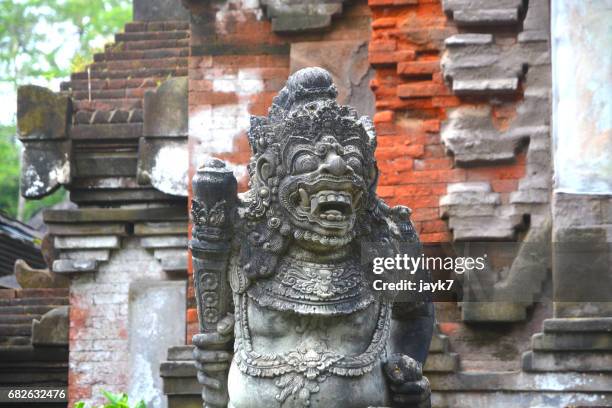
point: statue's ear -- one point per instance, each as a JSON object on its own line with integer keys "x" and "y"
{"x": 373, "y": 176}
{"x": 265, "y": 169}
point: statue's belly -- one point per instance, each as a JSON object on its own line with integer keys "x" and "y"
{"x": 338, "y": 392}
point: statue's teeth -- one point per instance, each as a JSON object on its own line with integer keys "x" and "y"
{"x": 305, "y": 201}
{"x": 331, "y": 197}
{"x": 314, "y": 201}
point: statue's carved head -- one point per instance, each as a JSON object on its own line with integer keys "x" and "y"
{"x": 313, "y": 171}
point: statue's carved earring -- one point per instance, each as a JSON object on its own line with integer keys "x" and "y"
{"x": 274, "y": 222}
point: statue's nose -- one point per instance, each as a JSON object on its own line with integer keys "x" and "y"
{"x": 335, "y": 165}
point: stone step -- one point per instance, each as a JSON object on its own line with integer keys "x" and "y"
{"x": 16, "y": 329}
{"x": 7, "y": 293}
{"x": 106, "y": 165}
{"x": 46, "y": 292}
{"x": 33, "y": 301}
{"x": 99, "y": 132}
{"x": 14, "y": 341}
{"x": 40, "y": 376}
{"x": 112, "y": 93}
{"x": 138, "y": 73}
{"x": 135, "y": 64}
{"x": 180, "y": 353}
{"x": 108, "y": 104}
{"x": 442, "y": 363}
{"x": 144, "y": 26}
{"x": 572, "y": 341}
{"x": 16, "y": 319}
{"x": 107, "y": 196}
{"x": 112, "y": 55}
{"x": 580, "y": 361}
{"x": 150, "y": 44}
{"x": 439, "y": 343}
{"x": 28, "y": 355}
{"x": 585, "y": 324}
{"x": 27, "y": 310}
{"x": 151, "y": 35}
{"x": 84, "y": 215}
{"x": 99, "y": 84}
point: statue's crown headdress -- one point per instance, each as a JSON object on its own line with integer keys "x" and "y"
{"x": 309, "y": 95}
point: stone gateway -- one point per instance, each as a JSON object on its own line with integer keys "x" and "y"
{"x": 288, "y": 316}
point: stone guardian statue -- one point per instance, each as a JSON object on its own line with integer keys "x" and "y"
{"x": 287, "y": 312}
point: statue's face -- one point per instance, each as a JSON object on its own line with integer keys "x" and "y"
{"x": 325, "y": 183}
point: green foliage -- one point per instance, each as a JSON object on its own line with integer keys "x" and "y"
{"x": 28, "y": 51}
{"x": 9, "y": 170}
{"x": 114, "y": 401}
{"x": 37, "y": 41}
{"x": 9, "y": 178}
{"x": 33, "y": 206}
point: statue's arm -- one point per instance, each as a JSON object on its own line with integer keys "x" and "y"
{"x": 411, "y": 330}
{"x": 412, "y": 323}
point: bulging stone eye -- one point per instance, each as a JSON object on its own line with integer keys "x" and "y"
{"x": 305, "y": 163}
{"x": 321, "y": 149}
{"x": 355, "y": 164}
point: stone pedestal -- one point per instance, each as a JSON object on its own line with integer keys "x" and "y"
{"x": 179, "y": 376}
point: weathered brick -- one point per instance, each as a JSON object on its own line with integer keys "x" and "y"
{"x": 428, "y": 227}
{"x": 436, "y": 150}
{"x": 192, "y": 316}
{"x": 379, "y": 3}
{"x": 420, "y": 89}
{"x": 418, "y": 67}
{"x": 433, "y": 164}
{"x": 445, "y": 101}
{"x": 389, "y": 58}
{"x": 504, "y": 186}
{"x": 384, "y": 22}
{"x": 404, "y": 192}
{"x": 425, "y": 214}
{"x": 425, "y": 201}
{"x": 436, "y": 237}
{"x": 384, "y": 116}
{"x": 382, "y": 46}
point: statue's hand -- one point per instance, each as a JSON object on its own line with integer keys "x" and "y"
{"x": 408, "y": 386}
{"x": 212, "y": 361}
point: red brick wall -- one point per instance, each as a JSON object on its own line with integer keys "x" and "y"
{"x": 412, "y": 99}
{"x": 411, "y": 102}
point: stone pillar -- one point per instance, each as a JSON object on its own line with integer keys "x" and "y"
{"x": 579, "y": 337}
{"x": 582, "y": 136}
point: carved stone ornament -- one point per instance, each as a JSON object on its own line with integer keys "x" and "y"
{"x": 278, "y": 273}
